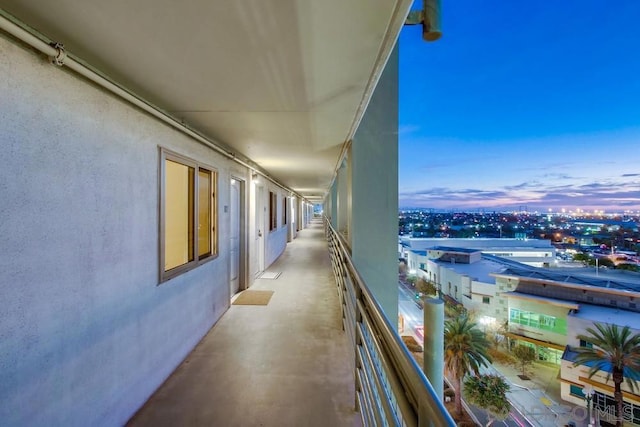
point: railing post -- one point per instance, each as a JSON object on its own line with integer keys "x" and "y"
{"x": 391, "y": 388}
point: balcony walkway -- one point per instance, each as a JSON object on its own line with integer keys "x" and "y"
{"x": 283, "y": 364}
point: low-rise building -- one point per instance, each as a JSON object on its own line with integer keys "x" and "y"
{"x": 533, "y": 252}
{"x": 574, "y": 378}
{"x": 543, "y": 308}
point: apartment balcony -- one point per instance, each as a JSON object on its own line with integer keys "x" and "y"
{"x": 160, "y": 157}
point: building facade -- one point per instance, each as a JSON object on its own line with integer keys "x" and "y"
{"x": 533, "y": 252}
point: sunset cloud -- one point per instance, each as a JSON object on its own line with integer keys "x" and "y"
{"x": 612, "y": 197}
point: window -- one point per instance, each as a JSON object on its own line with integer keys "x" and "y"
{"x": 187, "y": 214}
{"x": 584, "y": 343}
{"x": 284, "y": 211}
{"x": 576, "y": 390}
{"x": 273, "y": 210}
{"x": 547, "y": 322}
{"x": 205, "y": 199}
{"x": 486, "y": 300}
{"x": 536, "y": 320}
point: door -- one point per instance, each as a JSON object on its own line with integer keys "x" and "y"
{"x": 236, "y": 236}
{"x": 259, "y": 229}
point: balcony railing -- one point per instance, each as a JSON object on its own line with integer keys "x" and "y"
{"x": 391, "y": 389}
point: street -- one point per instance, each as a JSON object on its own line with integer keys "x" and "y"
{"x": 414, "y": 318}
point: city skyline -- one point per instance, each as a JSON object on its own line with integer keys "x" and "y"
{"x": 522, "y": 105}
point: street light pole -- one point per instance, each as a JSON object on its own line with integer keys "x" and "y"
{"x": 588, "y": 396}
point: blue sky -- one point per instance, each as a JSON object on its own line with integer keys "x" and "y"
{"x": 523, "y": 103}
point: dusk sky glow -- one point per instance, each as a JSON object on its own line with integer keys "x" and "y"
{"x": 523, "y": 104}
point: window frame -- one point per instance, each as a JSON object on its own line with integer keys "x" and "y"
{"x": 587, "y": 344}
{"x": 285, "y": 217}
{"x": 273, "y": 211}
{"x": 198, "y": 260}
{"x": 576, "y": 390}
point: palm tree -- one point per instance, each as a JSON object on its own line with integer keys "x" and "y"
{"x": 465, "y": 350}
{"x": 614, "y": 351}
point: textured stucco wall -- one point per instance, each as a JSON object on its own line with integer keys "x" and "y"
{"x": 86, "y": 333}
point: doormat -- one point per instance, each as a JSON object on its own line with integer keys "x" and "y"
{"x": 270, "y": 275}
{"x": 250, "y": 297}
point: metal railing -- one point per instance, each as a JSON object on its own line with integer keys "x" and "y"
{"x": 391, "y": 389}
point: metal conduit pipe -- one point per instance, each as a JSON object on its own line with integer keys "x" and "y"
{"x": 60, "y": 57}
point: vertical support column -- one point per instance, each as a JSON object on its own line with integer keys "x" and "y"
{"x": 299, "y": 205}
{"x": 343, "y": 200}
{"x": 374, "y": 192}
{"x": 434, "y": 344}
{"x": 333, "y": 207}
{"x": 290, "y": 207}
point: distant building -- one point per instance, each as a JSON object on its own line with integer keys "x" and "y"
{"x": 574, "y": 378}
{"x": 597, "y": 224}
{"x": 533, "y": 252}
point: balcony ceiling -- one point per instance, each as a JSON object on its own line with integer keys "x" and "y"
{"x": 280, "y": 82}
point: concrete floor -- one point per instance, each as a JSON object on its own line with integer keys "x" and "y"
{"x": 283, "y": 364}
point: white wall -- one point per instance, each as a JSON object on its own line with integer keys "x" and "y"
{"x": 466, "y": 286}
{"x": 86, "y": 332}
{"x": 450, "y": 277}
{"x": 493, "y": 309}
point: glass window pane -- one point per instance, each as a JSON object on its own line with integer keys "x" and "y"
{"x": 178, "y": 209}
{"x": 204, "y": 212}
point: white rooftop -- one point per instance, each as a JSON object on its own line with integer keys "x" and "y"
{"x": 479, "y": 243}
{"x": 479, "y": 271}
{"x": 603, "y": 314}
